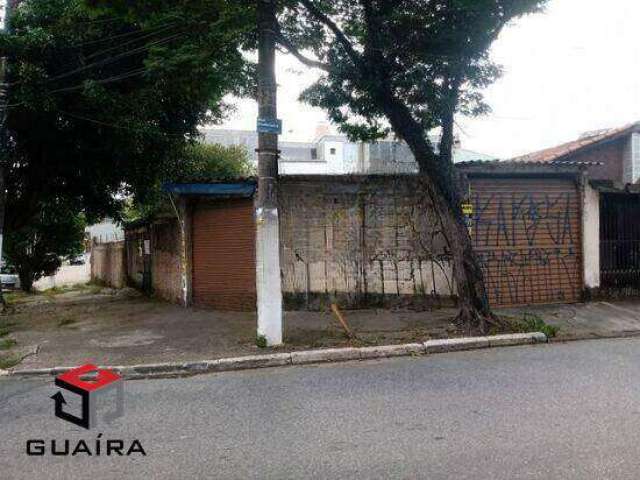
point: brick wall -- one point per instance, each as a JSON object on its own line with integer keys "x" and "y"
{"x": 108, "y": 265}
{"x": 365, "y": 241}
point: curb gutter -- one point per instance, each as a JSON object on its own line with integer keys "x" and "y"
{"x": 306, "y": 357}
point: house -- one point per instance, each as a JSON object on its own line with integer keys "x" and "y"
{"x": 336, "y": 155}
{"x": 612, "y": 204}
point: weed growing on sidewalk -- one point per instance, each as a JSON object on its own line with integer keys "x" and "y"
{"x": 261, "y": 341}
{"x": 7, "y": 343}
{"x": 7, "y": 362}
{"x": 531, "y": 322}
{"x": 66, "y": 320}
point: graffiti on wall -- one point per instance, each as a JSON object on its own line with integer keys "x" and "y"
{"x": 525, "y": 242}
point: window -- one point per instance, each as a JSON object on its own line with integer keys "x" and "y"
{"x": 314, "y": 154}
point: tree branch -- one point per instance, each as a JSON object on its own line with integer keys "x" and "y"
{"x": 288, "y": 45}
{"x": 340, "y": 36}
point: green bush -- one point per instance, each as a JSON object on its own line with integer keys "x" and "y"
{"x": 534, "y": 323}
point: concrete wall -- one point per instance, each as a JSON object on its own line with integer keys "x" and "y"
{"x": 591, "y": 237}
{"x": 154, "y": 253}
{"x": 108, "y": 266}
{"x": 166, "y": 270}
{"x": 365, "y": 241}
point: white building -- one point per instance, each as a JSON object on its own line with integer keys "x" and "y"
{"x": 335, "y": 154}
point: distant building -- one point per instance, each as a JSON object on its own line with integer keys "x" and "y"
{"x": 335, "y": 154}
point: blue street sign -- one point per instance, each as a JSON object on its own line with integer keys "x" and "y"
{"x": 270, "y": 125}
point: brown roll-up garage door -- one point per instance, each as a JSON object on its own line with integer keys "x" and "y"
{"x": 527, "y": 234}
{"x": 224, "y": 266}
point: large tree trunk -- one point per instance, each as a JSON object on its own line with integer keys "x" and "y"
{"x": 468, "y": 276}
{"x": 439, "y": 180}
{"x": 26, "y": 280}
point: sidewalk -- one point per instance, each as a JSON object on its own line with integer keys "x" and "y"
{"x": 124, "y": 328}
{"x": 110, "y": 327}
{"x": 586, "y": 320}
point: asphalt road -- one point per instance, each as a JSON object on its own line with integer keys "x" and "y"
{"x": 567, "y": 411}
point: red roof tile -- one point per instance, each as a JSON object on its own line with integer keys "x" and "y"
{"x": 555, "y": 153}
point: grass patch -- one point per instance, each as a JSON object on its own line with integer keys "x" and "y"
{"x": 66, "y": 321}
{"x": 4, "y": 331}
{"x": 77, "y": 287}
{"x": 7, "y": 362}
{"x": 530, "y": 322}
{"x": 13, "y": 298}
{"x": 261, "y": 341}
{"x": 7, "y": 343}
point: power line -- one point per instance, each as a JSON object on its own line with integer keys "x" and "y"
{"x": 120, "y": 127}
{"x": 115, "y": 58}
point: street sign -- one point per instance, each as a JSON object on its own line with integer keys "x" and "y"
{"x": 270, "y": 125}
{"x": 467, "y": 208}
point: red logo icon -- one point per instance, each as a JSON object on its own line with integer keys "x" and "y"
{"x": 91, "y": 383}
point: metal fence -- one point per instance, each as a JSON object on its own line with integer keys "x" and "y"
{"x": 620, "y": 242}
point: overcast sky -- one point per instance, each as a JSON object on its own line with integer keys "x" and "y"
{"x": 572, "y": 69}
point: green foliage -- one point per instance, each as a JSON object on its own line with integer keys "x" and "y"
{"x": 8, "y": 361}
{"x": 36, "y": 248}
{"x": 531, "y": 322}
{"x": 215, "y": 162}
{"x": 104, "y": 100}
{"x": 261, "y": 341}
{"x": 199, "y": 163}
{"x": 7, "y": 343}
{"x": 413, "y": 51}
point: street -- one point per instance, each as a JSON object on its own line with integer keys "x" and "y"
{"x": 554, "y": 411}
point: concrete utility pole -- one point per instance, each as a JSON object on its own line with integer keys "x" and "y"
{"x": 4, "y": 92}
{"x": 268, "y": 283}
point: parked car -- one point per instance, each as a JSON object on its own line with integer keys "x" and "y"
{"x": 9, "y": 279}
{"x": 77, "y": 260}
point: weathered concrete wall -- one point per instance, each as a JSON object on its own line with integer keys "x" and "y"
{"x": 153, "y": 259}
{"x": 108, "y": 266}
{"x": 364, "y": 241}
{"x": 591, "y": 237}
{"x": 166, "y": 271}
{"x": 134, "y": 244}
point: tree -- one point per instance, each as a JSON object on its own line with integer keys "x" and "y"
{"x": 407, "y": 66}
{"x": 35, "y": 250}
{"x": 199, "y": 163}
{"x": 103, "y": 104}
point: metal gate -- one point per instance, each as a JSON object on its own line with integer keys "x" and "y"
{"x": 620, "y": 242}
{"x": 224, "y": 267}
{"x": 527, "y": 235}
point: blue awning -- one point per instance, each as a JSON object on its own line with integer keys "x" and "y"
{"x": 243, "y": 190}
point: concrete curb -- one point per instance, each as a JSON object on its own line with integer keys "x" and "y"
{"x": 307, "y": 357}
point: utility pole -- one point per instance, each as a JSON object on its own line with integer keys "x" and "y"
{"x": 4, "y": 93}
{"x": 268, "y": 282}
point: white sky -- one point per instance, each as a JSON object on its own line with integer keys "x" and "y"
{"x": 572, "y": 69}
